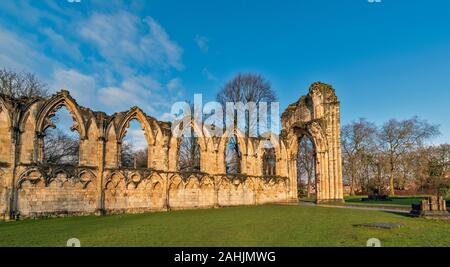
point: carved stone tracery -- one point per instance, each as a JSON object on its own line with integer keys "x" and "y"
{"x": 99, "y": 184}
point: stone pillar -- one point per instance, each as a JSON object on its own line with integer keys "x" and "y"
{"x": 10, "y": 177}
{"x": 293, "y": 178}
{"x": 244, "y": 163}
{"x": 101, "y": 145}
{"x": 216, "y": 191}
{"x": 166, "y": 190}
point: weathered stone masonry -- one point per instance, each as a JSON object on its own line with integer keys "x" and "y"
{"x": 99, "y": 185}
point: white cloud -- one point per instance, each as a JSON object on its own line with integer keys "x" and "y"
{"x": 202, "y": 43}
{"x": 65, "y": 47}
{"x": 27, "y": 12}
{"x": 141, "y": 91}
{"x": 160, "y": 38}
{"x": 21, "y": 53}
{"x": 82, "y": 87}
{"x": 127, "y": 42}
{"x": 136, "y": 137}
{"x": 121, "y": 99}
{"x": 167, "y": 117}
{"x": 132, "y": 63}
{"x": 143, "y": 85}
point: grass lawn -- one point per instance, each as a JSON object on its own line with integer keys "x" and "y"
{"x": 270, "y": 225}
{"x": 400, "y": 200}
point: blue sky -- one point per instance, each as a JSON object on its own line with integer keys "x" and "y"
{"x": 385, "y": 60}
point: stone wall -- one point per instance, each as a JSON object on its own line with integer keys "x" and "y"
{"x": 100, "y": 185}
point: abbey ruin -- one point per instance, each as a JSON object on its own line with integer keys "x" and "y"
{"x": 31, "y": 188}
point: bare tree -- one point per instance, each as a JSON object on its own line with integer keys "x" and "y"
{"x": 440, "y": 160}
{"x": 233, "y": 156}
{"x": 21, "y": 84}
{"x": 244, "y": 88}
{"x": 358, "y": 138}
{"x": 132, "y": 158}
{"x": 189, "y": 154}
{"x": 141, "y": 158}
{"x": 247, "y": 88}
{"x": 306, "y": 164}
{"x": 60, "y": 148}
{"x": 397, "y": 138}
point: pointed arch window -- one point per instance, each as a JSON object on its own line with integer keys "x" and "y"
{"x": 233, "y": 156}
{"x": 189, "y": 153}
{"x": 269, "y": 162}
{"x": 134, "y": 146}
{"x": 306, "y": 165}
{"x": 61, "y": 139}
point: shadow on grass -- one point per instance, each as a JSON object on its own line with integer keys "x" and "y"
{"x": 403, "y": 214}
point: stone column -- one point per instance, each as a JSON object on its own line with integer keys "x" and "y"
{"x": 101, "y": 144}
{"x": 10, "y": 177}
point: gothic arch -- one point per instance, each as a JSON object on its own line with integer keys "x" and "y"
{"x": 6, "y": 111}
{"x": 49, "y": 108}
{"x": 222, "y": 147}
{"x": 135, "y": 114}
{"x": 155, "y": 178}
{"x": 206, "y": 181}
{"x": 27, "y": 111}
{"x": 110, "y": 179}
{"x": 279, "y": 151}
{"x": 240, "y": 139}
{"x": 199, "y": 140}
{"x": 323, "y": 129}
{"x": 32, "y": 175}
{"x": 92, "y": 127}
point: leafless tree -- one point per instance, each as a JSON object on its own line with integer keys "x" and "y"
{"x": 189, "y": 154}
{"x": 440, "y": 160}
{"x": 132, "y": 158}
{"x": 397, "y": 138}
{"x": 60, "y": 148}
{"x": 126, "y": 156}
{"x": 244, "y": 88}
{"x": 247, "y": 88}
{"x": 21, "y": 84}
{"x": 358, "y": 139}
{"x": 233, "y": 156}
{"x": 306, "y": 164}
{"x": 141, "y": 158}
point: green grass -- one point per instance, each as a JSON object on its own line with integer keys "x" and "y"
{"x": 400, "y": 200}
{"x": 270, "y": 225}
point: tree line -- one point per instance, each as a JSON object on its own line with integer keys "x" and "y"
{"x": 394, "y": 158}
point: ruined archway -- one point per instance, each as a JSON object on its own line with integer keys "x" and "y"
{"x": 61, "y": 103}
{"x": 267, "y": 165}
{"x": 61, "y": 140}
{"x": 189, "y": 150}
{"x": 134, "y": 146}
{"x": 135, "y": 126}
{"x": 306, "y": 168}
{"x": 316, "y": 116}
